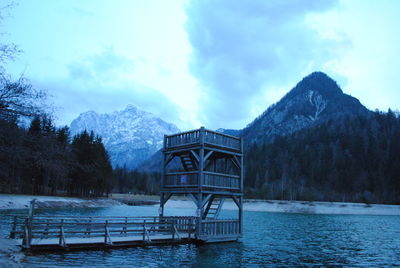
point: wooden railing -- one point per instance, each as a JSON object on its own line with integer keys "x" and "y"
{"x": 222, "y": 227}
{"x": 182, "y": 139}
{"x": 220, "y": 139}
{"x": 182, "y": 179}
{"x": 210, "y": 179}
{"x": 220, "y": 180}
{"x": 202, "y": 136}
{"x": 63, "y": 228}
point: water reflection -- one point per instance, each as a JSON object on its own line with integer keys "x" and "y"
{"x": 271, "y": 239}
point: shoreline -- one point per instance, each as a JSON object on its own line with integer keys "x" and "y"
{"x": 14, "y": 202}
{"x": 302, "y": 207}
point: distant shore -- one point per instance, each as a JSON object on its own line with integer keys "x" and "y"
{"x": 14, "y": 201}
{"x": 11, "y": 201}
{"x": 305, "y": 207}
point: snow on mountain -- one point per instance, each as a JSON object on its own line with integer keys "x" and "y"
{"x": 315, "y": 99}
{"x": 130, "y": 136}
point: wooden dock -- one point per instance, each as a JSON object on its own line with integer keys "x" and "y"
{"x": 69, "y": 233}
{"x": 208, "y": 167}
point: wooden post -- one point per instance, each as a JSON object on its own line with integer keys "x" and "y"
{"x": 46, "y": 229}
{"x": 14, "y": 228}
{"x": 144, "y": 230}
{"x": 61, "y": 240}
{"x": 107, "y": 237}
{"x": 163, "y": 172}
{"x": 161, "y": 208}
{"x": 25, "y": 241}
{"x": 200, "y": 210}
{"x": 30, "y": 219}
{"x": 89, "y": 228}
{"x": 241, "y": 188}
{"x": 125, "y": 227}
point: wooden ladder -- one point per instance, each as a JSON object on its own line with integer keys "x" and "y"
{"x": 214, "y": 208}
{"x": 188, "y": 162}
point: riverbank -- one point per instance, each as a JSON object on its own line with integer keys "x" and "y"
{"x": 306, "y": 207}
{"x": 12, "y": 201}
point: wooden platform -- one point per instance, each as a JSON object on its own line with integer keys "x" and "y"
{"x": 75, "y": 233}
{"x": 99, "y": 243}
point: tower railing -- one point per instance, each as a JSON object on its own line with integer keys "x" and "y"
{"x": 210, "y": 137}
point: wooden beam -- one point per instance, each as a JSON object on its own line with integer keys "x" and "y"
{"x": 208, "y": 155}
{"x": 195, "y": 155}
{"x": 165, "y": 199}
{"x": 237, "y": 202}
{"x": 235, "y": 161}
{"x": 169, "y": 158}
{"x": 205, "y": 200}
{"x": 193, "y": 198}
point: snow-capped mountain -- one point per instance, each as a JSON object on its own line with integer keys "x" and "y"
{"x": 130, "y": 136}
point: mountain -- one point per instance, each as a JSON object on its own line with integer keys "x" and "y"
{"x": 130, "y": 136}
{"x": 353, "y": 159}
{"x": 232, "y": 132}
{"x": 318, "y": 143}
{"x": 313, "y": 100}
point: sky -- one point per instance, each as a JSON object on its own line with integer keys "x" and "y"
{"x": 217, "y": 64}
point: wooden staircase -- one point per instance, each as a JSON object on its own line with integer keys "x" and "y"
{"x": 188, "y": 162}
{"x": 213, "y": 208}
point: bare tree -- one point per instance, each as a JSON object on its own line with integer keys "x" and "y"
{"x": 17, "y": 97}
{"x": 8, "y": 51}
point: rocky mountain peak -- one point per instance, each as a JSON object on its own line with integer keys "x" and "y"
{"x": 130, "y": 136}
{"x": 317, "y": 82}
{"x": 316, "y": 98}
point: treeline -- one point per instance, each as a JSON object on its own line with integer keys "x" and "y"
{"x": 356, "y": 159}
{"x": 135, "y": 182}
{"x": 43, "y": 160}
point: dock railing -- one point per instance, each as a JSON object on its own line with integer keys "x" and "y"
{"x": 59, "y": 231}
{"x": 202, "y": 136}
{"x": 65, "y": 228}
{"x": 220, "y": 227}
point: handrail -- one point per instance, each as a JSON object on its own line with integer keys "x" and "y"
{"x": 181, "y": 173}
{"x": 200, "y": 136}
{"x": 222, "y": 174}
{"x": 223, "y": 134}
{"x": 110, "y": 230}
{"x": 62, "y": 229}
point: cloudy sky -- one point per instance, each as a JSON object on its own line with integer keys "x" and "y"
{"x": 212, "y": 63}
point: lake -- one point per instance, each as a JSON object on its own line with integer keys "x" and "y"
{"x": 270, "y": 239}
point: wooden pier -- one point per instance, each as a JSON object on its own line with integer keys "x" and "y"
{"x": 68, "y": 232}
{"x": 208, "y": 167}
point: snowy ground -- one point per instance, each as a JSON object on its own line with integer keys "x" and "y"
{"x": 9, "y": 201}
{"x": 302, "y": 207}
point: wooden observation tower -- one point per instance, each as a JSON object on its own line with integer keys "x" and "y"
{"x": 207, "y": 166}
{"x": 203, "y": 164}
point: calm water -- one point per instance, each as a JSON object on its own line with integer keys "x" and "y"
{"x": 270, "y": 239}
